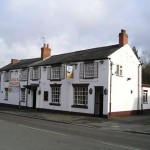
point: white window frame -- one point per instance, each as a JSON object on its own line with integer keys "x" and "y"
{"x": 55, "y": 94}
{"x": 89, "y": 70}
{"x": 24, "y": 75}
{"x": 35, "y": 73}
{"x": 119, "y": 70}
{"x": 56, "y": 72}
{"x": 80, "y": 95}
{"x": 145, "y": 97}
{"x": 6, "y": 76}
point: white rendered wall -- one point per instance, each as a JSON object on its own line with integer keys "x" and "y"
{"x": 125, "y": 88}
{"x": 67, "y": 89}
{"x": 13, "y": 92}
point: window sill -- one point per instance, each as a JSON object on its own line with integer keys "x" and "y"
{"x": 54, "y": 104}
{"x": 22, "y": 101}
{"x": 45, "y": 100}
{"x": 88, "y": 77}
{"x": 35, "y": 79}
{"x": 55, "y": 79}
{"x": 145, "y": 102}
{"x": 119, "y": 75}
{"x": 80, "y": 106}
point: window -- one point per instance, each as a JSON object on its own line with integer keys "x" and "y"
{"x": 55, "y": 94}
{"x": 6, "y": 76}
{"x": 24, "y": 75}
{"x": 45, "y": 95}
{"x": 56, "y": 73}
{"x": 80, "y": 95}
{"x": 119, "y": 70}
{"x": 88, "y": 70}
{"x": 145, "y": 98}
{"x": 35, "y": 73}
{"x": 23, "y": 94}
{"x": 6, "y": 93}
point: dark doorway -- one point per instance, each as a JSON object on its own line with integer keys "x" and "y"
{"x": 34, "y": 98}
{"x": 98, "y": 110}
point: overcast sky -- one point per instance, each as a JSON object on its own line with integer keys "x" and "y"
{"x": 70, "y": 25}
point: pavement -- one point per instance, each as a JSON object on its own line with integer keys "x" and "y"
{"x": 139, "y": 124}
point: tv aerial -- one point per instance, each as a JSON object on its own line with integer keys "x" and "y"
{"x": 43, "y": 38}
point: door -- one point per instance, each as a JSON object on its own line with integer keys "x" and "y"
{"x": 34, "y": 98}
{"x": 98, "y": 110}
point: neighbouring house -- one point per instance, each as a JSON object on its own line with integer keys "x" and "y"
{"x": 146, "y": 98}
{"x": 102, "y": 81}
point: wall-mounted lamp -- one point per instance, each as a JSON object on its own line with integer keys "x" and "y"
{"x": 28, "y": 91}
{"x": 44, "y": 68}
{"x": 101, "y": 61}
{"x": 75, "y": 66}
{"x": 39, "y": 92}
{"x": 105, "y": 91}
{"x": 128, "y": 79}
{"x": 90, "y": 91}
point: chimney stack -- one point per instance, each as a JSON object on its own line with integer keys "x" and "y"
{"x": 45, "y": 51}
{"x": 123, "y": 38}
{"x": 14, "y": 61}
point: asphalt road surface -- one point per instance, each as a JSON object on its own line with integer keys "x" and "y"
{"x": 21, "y": 133}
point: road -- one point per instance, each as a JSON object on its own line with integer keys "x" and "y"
{"x": 21, "y": 133}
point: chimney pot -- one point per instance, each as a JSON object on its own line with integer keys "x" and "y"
{"x": 123, "y": 38}
{"x": 14, "y": 61}
{"x": 45, "y": 51}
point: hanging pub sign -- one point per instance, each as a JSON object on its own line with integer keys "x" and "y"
{"x": 69, "y": 71}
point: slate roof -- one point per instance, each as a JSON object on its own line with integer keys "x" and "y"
{"x": 83, "y": 55}
{"x": 24, "y": 63}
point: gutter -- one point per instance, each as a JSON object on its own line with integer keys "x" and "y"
{"x": 27, "y": 88}
{"x": 111, "y": 63}
{"x": 139, "y": 87}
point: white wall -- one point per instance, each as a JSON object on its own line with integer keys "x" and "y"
{"x": 124, "y": 91}
{"x": 13, "y": 92}
{"x": 67, "y": 89}
{"x": 121, "y": 97}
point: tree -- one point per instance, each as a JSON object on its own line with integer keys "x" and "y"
{"x": 145, "y": 58}
{"x": 136, "y": 52}
{"x": 146, "y": 74}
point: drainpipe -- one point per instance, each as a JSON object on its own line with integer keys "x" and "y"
{"x": 139, "y": 87}
{"x": 111, "y": 63}
{"x": 27, "y": 88}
